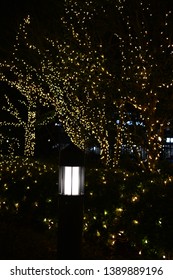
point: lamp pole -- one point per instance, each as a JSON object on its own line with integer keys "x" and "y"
{"x": 70, "y": 210}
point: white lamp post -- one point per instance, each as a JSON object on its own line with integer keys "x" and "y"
{"x": 71, "y": 192}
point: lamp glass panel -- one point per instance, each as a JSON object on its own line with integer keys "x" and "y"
{"x": 71, "y": 180}
{"x": 75, "y": 180}
{"x": 67, "y": 180}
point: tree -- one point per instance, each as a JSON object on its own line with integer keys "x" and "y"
{"x": 12, "y": 120}
{"x": 99, "y": 99}
{"x": 112, "y": 84}
{"x": 23, "y": 77}
{"x": 146, "y": 62}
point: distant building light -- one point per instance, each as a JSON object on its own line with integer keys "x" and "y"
{"x": 95, "y": 149}
{"x": 169, "y": 140}
{"x": 57, "y": 124}
{"x": 55, "y": 146}
{"x": 129, "y": 122}
{"x": 139, "y": 123}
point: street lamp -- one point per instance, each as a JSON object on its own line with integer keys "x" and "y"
{"x": 71, "y": 193}
{"x": 71, "y": 180}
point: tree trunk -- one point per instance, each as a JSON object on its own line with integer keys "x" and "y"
{"x": 29, "y": 148}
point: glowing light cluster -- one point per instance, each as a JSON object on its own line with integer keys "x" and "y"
{"x": 88, "y": 96}
{"x": 22, "y": 75}
{"x": 12, "y": 144}
{"x": 17, "y": 170}
{"x": 130, "y": 221}
{"x": 80, "y": 76}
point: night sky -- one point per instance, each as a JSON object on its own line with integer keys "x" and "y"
{"x": 44, "y": 11}
{"x": 12, "y": 13}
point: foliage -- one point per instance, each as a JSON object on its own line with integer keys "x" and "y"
{"x": 28, "y": 190}
{"x": 126, "y": 215}
{"x": 132, "y": 218}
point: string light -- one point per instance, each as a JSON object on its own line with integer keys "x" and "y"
{"x": 80, "y": 81}
{"x": 28, "y": 82}
{"x": 13, "y": 168}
